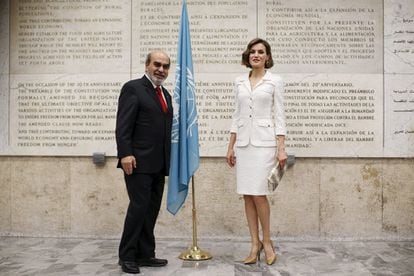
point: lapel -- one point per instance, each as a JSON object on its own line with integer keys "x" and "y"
{"x": 245, "y": 81}
{"x": 267, "y": 76}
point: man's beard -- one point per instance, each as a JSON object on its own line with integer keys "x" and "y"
{"x": 156, "y": 80}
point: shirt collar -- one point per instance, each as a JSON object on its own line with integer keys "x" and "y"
{"x": 155, "y": 86}
{"x": 267, "y": 76}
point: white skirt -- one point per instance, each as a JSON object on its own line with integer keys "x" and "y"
{"x": 253, "y": 165}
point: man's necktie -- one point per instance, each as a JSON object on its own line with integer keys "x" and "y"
{"x": 161, "y": 99}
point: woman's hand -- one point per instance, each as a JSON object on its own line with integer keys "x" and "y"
{"x": 231, "y": 158}
{"x": 282, "y": 157}
{"x": 281, "y": 153}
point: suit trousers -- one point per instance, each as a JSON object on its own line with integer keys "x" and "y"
{"x": 145, "y": 194}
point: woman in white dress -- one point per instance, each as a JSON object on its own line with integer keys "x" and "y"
{"x": 257, "y": 138}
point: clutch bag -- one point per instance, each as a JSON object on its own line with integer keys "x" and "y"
{"x": 275, "y": 176}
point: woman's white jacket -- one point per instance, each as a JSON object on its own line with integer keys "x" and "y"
{"x": 259, "y": 114}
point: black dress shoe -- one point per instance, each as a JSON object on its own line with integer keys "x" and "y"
{"x": 152, "y": 262}
{"x": 129, "y": 267}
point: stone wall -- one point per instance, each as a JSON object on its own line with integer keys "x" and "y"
{"x": 320, "y": 198}
{"x": 346, "y": 66}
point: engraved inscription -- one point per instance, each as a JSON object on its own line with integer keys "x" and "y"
{"x": 54, "y": 36}
{"x": 64, "y": 114}
{"x": 69, "y": 59}
{"x": 399, "y": 68}
{"x": 329, "y": 112}
{"x": 316, "y": 36}
{"x": 219, "y": 31}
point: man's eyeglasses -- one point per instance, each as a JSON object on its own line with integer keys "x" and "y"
{"x": 159, "y": 64}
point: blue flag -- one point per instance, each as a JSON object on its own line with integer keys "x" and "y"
{"x": 184, "y": 137}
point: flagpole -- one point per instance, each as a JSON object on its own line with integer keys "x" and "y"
{"x": 184, "y": 136}
{"x": 194, "y": 253}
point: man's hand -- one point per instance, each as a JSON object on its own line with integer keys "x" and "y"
{"x": 128, "y": 164}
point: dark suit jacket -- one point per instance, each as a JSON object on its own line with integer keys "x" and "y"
{"x": 142, "y": 128}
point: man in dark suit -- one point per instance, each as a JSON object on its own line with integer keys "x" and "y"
{"x": 143, "y": 137}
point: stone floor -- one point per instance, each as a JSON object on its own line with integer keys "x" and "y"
{"x": 53, "y": 256}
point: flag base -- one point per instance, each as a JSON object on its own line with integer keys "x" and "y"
{"x": 195, "y": 254}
